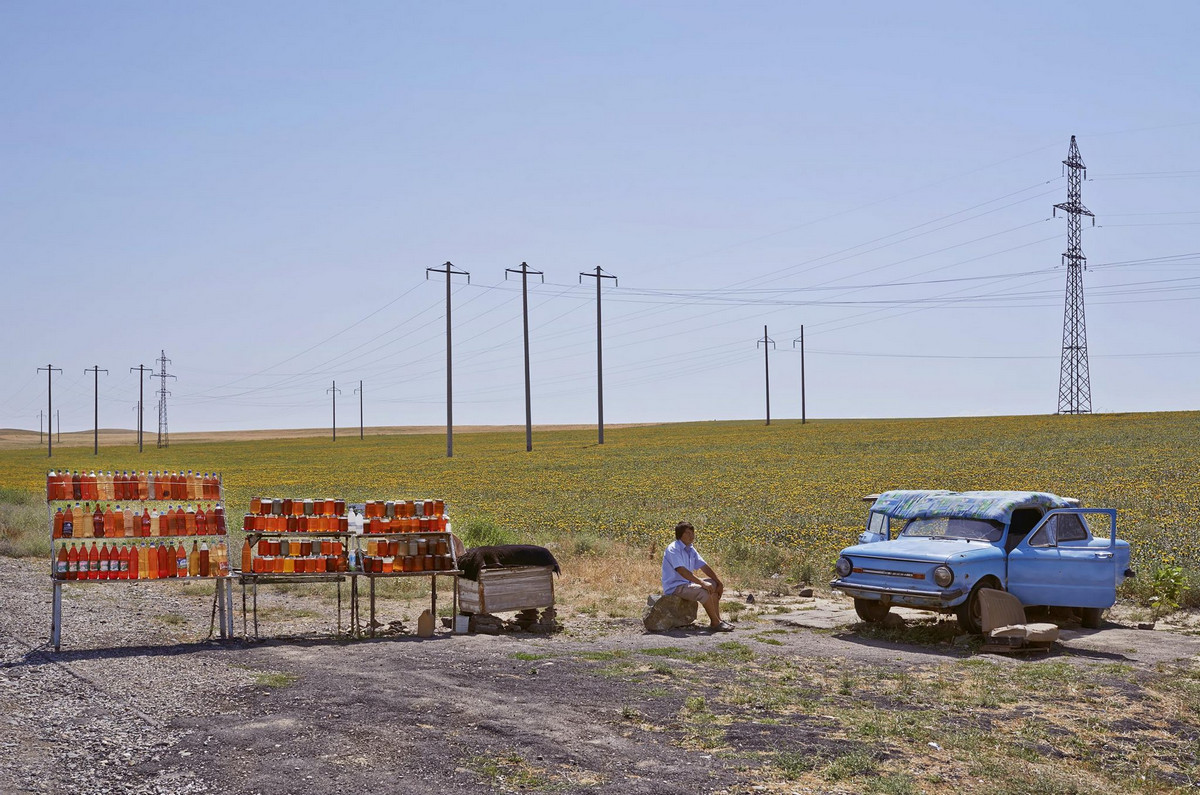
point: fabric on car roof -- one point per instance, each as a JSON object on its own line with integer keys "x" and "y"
{"x": 993, "y": 505}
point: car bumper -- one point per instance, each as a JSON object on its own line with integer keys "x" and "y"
{"x": 903, "y": 596}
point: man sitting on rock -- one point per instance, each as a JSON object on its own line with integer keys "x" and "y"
{"x": 680, "y": 561}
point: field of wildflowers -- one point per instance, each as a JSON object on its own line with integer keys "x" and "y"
{"x": 785, "y": 493}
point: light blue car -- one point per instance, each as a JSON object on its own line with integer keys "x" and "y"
{"x": 1040, "y": 547}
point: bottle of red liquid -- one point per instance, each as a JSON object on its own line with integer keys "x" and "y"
{"x": 73, "y": 563}
{"x": 134, "y": 563}
{"x": 62, "y": 563}
{"x": 181, "y": 561}
{"x": 68, "y": 527}
{"x": 58, "y": 523}
{"x": 201, "y": 522}
{"x": 204, "y": 560}
{"x": 98, "y": 529}
{"x": 123, "y": 564}
{"x": 161, "y": 563}
{"x": 93, "y": 560}
{"x": 105, "y": 560}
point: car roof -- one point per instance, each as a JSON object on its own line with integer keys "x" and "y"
{"x": 991, "y": 505}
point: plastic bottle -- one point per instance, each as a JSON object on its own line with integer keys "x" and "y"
{"x": 247, "y": 556}
{"x": 189, "y": 519}
{"x": 181, "y": 561}
{"x": 201, "y": 522}
{"x": 105, "y": 559}
{"x": 163, "y": 557}
{"x": 143, "y": 564}
{"x": 62, "y": 563}
{"x": 194, "y": 560}
{"x": 58, "y": 523}
{"x": 73, "y": 563}
{"x": 68, "y": 526}
{"x": 130, "y": 519}
{"x": 129, "y": 562}
{"x": 93, "y": 563}
{"x": 204, "y": 567}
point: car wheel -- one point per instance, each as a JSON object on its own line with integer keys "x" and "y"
{"x": 871, "y": 610}
{"x": 1091, "y": 617}
{"x": 970, "y": 612}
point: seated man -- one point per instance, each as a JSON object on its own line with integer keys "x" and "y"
{"x": 680, "y": 560}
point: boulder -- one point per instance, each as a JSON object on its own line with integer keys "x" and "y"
{"x": 668, "y": 612}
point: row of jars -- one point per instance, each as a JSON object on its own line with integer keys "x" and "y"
{"x": 286, "y": 506}
{"x": 310, "y": 564}
{"x": 275, "y": 523}
{"x": 389, "y": 509}
{"x": 64, "y": 485}
{"x": 373, "y": 564}
{"x": 416, "y": 547}
{"x": 406, "y": 524}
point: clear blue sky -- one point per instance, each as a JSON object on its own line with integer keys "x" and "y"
{"x": 257, "y": 188}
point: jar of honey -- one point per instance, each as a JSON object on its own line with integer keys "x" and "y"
{"x": 256, "y": 505}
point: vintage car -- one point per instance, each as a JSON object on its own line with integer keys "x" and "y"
{"x": 1040, "y": 547}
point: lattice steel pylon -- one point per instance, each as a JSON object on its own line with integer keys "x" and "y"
{"x": 1074, "y": 381}
{"x": 162, "y": 375}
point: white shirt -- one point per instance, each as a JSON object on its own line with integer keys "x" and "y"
{"x": 678, "y": 554}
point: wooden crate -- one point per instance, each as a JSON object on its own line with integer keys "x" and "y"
{"x": 507, "y": 589}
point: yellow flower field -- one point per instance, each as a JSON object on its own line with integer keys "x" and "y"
{"x": 789, "y": 485}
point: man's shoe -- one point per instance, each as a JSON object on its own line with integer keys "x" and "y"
{"x": 724, "y": 626}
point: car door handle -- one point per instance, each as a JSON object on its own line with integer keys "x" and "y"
{"x": 1104, "y": 555}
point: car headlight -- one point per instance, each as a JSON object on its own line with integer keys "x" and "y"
{"x": 943, "y": 576}
{"x": 843, "y": 566}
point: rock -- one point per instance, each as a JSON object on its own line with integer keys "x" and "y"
{"x": 668, "y": 612}
{"x": 892, "y": 620}
{"x": 1146, "y": 625}
{"x": 750, "y": 599}
{"x": 485, "y": 624}
{"x": 805, "y": 592}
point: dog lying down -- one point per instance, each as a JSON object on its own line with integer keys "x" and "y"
{"x": 497, "y": 557}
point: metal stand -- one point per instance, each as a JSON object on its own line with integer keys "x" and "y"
{"x": 267, "y": 579}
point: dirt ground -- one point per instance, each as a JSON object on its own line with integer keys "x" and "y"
{"x": 138, "y": 701}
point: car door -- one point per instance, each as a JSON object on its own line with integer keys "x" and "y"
{"x": 1057, "y": 565}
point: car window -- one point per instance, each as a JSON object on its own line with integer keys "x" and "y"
{"x": 877, "y": 523}
{"x": 1044, "y": 537}
{"x": 1068, "y": 527}
{"x": 954, "y": 527}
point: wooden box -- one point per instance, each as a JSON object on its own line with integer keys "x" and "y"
{"x": 507, "y": 589}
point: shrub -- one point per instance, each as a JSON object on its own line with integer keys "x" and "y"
{"x": 24, "y": 531}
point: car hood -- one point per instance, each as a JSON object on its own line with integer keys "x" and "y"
{"x": 924, "y": 549}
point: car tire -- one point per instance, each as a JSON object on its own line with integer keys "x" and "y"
{"x": 970, "y": 612}
{"x": 871, "y": 610}
{"x": 1091, "y": 617}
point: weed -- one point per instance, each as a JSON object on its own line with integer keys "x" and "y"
{"x": 855, "y": 763}
{"x": 664, "y": 651}
{"x": 528, "y": 656}
{"x": 275, "y": 679}
{"x": 172, "y": 619}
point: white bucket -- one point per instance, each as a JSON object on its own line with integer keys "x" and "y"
{"x": 461, "y": 624}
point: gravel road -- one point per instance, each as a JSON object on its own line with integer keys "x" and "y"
{"x": 138, "y": 701}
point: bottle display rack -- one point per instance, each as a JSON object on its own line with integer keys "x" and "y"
{"x": 135, "y": 526}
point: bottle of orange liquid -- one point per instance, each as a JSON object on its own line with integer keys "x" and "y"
{"x": 58, "y": 523}
{"x": 181, "y": 560}
{"x": 143, "y": 486}
{"x": 129, "y": 562}
{"x": 143, "y": 561}
{"x": 190, "y": 521}
{"x": 247, "y": 557}
{"x": 73, "y": 562}
{"x": 163, "y": 557}
{"x": 194, "y": 560}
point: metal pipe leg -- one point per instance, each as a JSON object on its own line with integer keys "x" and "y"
{"x": 256, "y": 609}
{"x": 244, "y": 608}
{"x": 56, "y": 616}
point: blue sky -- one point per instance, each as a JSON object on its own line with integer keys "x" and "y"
{"x": 258, "y": 188}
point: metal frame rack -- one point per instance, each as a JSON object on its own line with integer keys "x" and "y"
{"x": 222, "y": 596}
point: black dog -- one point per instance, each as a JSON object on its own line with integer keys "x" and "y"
{"x": 498, "y": 557}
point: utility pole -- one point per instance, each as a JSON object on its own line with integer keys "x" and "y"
{"x": 141, "y": 371}
{"x": 334, "y": 390}
{"x": 801, "y": 341}
{"x": 96, "y": 406}
{"x": 1074, "y": 381}
{"x": 50, "y": 371}
{"x": 163, "y": 440}
{"x": 449, "y": 270}
{"x": 599, "y": 275}
{"x": 359, "y": 391}
{"x": 766, "y": 343}
{"x": 525, "y": 270}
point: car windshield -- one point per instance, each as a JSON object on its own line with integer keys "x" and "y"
{"x": 957, "y": 528}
